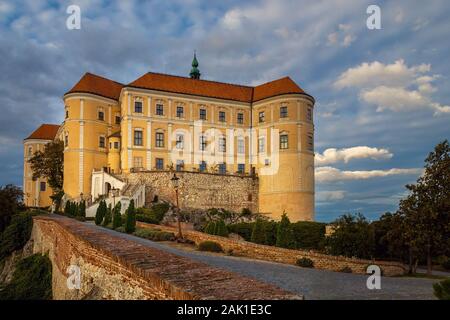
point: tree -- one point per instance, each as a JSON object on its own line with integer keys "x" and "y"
{"x": 11, "y": 198}
{"x": 49, "y": 165}
{"x": 117, "y": 216}
{"x": 285, "y": 235}
{"x": 130, "y": 223}
{"x": 100, "y": 213}
{"x": 258, "y": 234}
{"x": 67, "y": 208}
{"x": 82, "y": 209}
{"x": 210, "y": 227}
{"x": 221, "y": 229}
{"x": 353, "y": 237}
{"x": 108, "y": 216}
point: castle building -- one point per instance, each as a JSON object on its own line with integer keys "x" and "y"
{"x": 187, "y": 124}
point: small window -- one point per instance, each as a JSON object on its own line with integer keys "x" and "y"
{"x": 160, "y": 140}
{"x": 222, "y": 168}
{"x": 110, "y": 145}
{"x": 283, "y": 112}
{"x": 118, "y": 119}
{"x": 240, "y": 118}
{"x": 137, "y": 162}
{"x": 266, "y": 162}
{"x": 159, "y": 164}
{"x": 101, "y": 116}
{"x": 241, "y": 168}
{"x": 222, "y": 116}
{"x": 241, "y": 146}
{"x": 159, "y": 109}
{"x": 180, "y": 112}
{"x": 202, "y": 143}
{"x": 101, "y": 142}
{"x": 67, "y": 114}
{"x": 30, "y": 151}
{"x": 66, "y": 140}
{"x": 261, "y": 144}
{"x": 180, "y": 165}
{"x": 180, "y": 142}
{"x": 202, "y": 114}
{"x": 138, "y": 138}
{"x": 222, "y": 144}
{"x": 309, "y": 114}
{"x": 310, "y": 142}
{"x": 138, "y": 106}
{"x": 43, "y": 186}
{"x": 262, "y": 116}
{"x": 116, "y": 145}
{"x": 202, "y": 166}
{"x": 283, "y": 141}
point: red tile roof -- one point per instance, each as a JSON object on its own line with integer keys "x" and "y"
{"x": 94, "y": 84}
{"x": 44, "y": 132}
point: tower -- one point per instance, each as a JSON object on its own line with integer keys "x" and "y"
{"x": 195, "y": 73}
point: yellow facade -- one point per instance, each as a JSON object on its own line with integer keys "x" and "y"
{"x": 146, "y": 124}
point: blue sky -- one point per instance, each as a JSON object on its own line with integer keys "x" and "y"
{"x": 382, "y": 95}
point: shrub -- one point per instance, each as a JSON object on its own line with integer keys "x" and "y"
{"x": 244, "y": 229}
{"x": 246, "y": 212}
{"x": 442, "y": 289}
{"x": 210, "y": 246}
{"x": 117, "y": 216}
{"x": 10, "y": 203}
{"x": 130, "y": 224}
{"x": 16, "y": 234}
{"x": 210, "y": 227}
{"x": 258, "y": 235}
{"x": 309, "y": 235}
{"x": 159, "y": 210}
{"x": 285, "y": 236}
{"x": 305, "y": 263}
{"x": 270, "y": 231}
{"x": 221, "y": 229}
{"x": 146, "y": 218}
{"x": 108, "y": 216}
{"x": 346, "y": 269}
{"x": 155, "y": 235}
{"x": 67, "y": 208}
{"x": 100, "y": 213}
{"x": 120, "y": 229}
{"x": 32, "y": 280}
{"x": 82, "y": 209}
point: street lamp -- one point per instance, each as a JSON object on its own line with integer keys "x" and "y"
{"x": 175, "y": 183}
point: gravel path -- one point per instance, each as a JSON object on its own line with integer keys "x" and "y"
{"x": 312, "y": 283}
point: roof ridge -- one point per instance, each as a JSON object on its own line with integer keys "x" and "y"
{"x": 102, "y": 77}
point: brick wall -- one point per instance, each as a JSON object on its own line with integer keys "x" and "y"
{"x": 117, "y": 268}
{"x": 201, "y": 190}
{"x": 270, "y": 253}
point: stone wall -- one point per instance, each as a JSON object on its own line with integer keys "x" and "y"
{"x": 288, "y": 256}
{"x": 201, "y": 190}
{"x": 116, "y": 268}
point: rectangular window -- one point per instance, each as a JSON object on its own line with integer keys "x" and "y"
{"x": 180, "y": 112}
{"x": 66, "y": 140}
{"x": 159, "y": 164}
{"x": 180, "y": 142}
{"x": 67, "y": 114}
{"x": 261, "y": 144}
{"x": 138, "y": 106}
{"x": 180, "y": 165}
{"x": 202, "y": 166}
{"x": 138, "y": 138}
{"x": 160, "y": 140}
{"x": 241, "y": 146}
{"x": 310, "y": 142}
{"x": 159, "y": 109}
{"x": 240, "y": 118}
{"x": 116, "y": 145}
{"x": 222, "y": 168}
{"x": 118, "y": 119}
{"x": 222, "y": 116}
{"x": 309, "y": 115}
{"x": 222, "y": 144}
{"x": 283, "y": 112}
{"x": 283, "y": 141}
{"x": 202, "y": 143}
{"x": 262, "y": 116}
{"x": 202, "y": 114}
{"x": 101, "y": 116}
{"x": 101, "y": 142}
{"x": 43, "y": 186}
{"x": 241, "y": 168}
{"x": 30, "y": 151}
{"x": 137, "y": 162}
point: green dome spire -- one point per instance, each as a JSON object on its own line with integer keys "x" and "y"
{"x": 195, "y": 73}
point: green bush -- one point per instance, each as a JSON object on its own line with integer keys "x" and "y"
{"x": 210, "y": 227}
{"x": 108, "y": 216}
{"x": 221, "y": 229}
{"x": 146, "y": 218}
{"x": 346, "y": 270}
{"x": 82, "y": 209}
{"x": 32, "y": 280}
{"x": 309, "y": 235}
{"x": 154, "y": 235}
{"x": 120, "y": 229}
{"x": 210, "y": 246}
{"x": 305, "y": 263}
{"x": 244, "y": 229}
{"x": 159, "y": 210}
{"x": 246, "y": 212}
{"x": 130, "y": 223}
{"x": 285, "y": 235}
{"x": 117, "y": 216}
{"x": 258, "y": 233}
{"x": 16, "y": 234}
{"x": 442, "y": 289}
{"x": 101, "y": 212}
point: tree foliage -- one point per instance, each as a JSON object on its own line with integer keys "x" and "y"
{"x": 130, "y": 223}
{"x": 11, "y": 198}
{"x": 101, "y": 212}
{"x": 258, "y": 233}
{"x": 117, "y": 216}
{"x": 285, "y": 235}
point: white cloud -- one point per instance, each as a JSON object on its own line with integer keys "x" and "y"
{"x": 341, "y": 37}
{"x": 330, "y": 174}
{"x": 333, "y": 155}
{"x": 324, "y": 196}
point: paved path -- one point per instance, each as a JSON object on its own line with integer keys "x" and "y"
{"x": 311, "y": 283}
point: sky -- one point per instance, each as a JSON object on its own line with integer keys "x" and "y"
{"x": 382, "y": 98}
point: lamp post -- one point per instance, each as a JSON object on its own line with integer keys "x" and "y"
{"x": 175, "y": 182}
